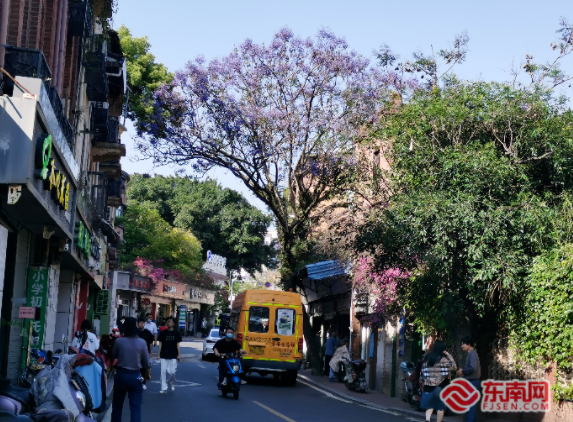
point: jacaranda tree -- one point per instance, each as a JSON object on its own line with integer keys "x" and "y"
{"x": 281, "y": 117}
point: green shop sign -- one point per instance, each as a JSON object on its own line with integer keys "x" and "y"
{"x": 54, "y": 180}
{"x": 38, "y": 279}
{"x": 82, "y": 239}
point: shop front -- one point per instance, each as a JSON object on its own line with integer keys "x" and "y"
{"x": 38, "y": 189}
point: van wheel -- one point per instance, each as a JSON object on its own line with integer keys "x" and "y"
{"x": 276, "y": 376}
{"x": 290, "y": 378}
{"x": 224, "y": 393}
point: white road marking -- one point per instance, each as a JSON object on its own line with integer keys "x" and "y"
{"x": 274, "y": 412}
{"x": 180, "y": 383}
{"x": 326, "y": 393}
{"x": 384, "y": 410}
{"x": 201, "y": 366}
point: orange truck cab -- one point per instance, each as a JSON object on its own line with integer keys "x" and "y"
{"x": 269, "y": 327}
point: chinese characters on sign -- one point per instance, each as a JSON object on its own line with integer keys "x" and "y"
{"x": 515, "y": 396}
{"x": 54, "y": 180}
{"x": 38, "y": 279}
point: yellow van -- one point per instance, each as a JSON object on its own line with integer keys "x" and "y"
{"x": 269, "y": 327}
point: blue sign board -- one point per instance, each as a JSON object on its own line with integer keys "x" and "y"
{"x": 182, "y": 316}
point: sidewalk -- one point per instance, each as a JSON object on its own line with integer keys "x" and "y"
{"x": 370, "y": 398}
{"x": 377, "y": 400}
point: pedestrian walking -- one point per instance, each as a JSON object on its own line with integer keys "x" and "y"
{"x": 436, "y": 370}
{"x": 85, "y": 340}
{"x": 340, "y": 353}
{"x": 471, "y": 372}
{"x": 146, "y": 336}
{"x": 132, "y": 356}
{"x": 169, "y": 354}
{"x": 331, "y": 345}
{"x": 151, "y": 326}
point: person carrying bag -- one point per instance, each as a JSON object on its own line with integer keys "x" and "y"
{"x": 132, "y": 356}
{"x": 436, "y": 370}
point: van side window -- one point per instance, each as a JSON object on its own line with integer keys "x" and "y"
{"x": 284, "y": 322}
{"x": 259, "y": 319}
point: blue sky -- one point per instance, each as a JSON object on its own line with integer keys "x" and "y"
{"x": 501, "y": 33}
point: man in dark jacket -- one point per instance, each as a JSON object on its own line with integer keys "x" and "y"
{"x": 471, "y": 372}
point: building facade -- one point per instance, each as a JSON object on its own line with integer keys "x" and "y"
{"x": 63, "y": 87}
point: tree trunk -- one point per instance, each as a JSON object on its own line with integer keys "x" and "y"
{"x": 312, "y": 348}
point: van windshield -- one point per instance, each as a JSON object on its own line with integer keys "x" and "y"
{"x": 284, "y": 325}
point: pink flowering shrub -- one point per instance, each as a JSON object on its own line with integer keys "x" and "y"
{"x": 381, "y": 287}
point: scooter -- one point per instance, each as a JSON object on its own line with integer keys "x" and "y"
{"x": 232, "y": 381}
{"x": 355, "y": 375}
{"x": 412, "y": 384}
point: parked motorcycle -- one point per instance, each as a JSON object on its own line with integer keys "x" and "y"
{"x": 39, "y": 360}
{"x": 232, "y": 382}
{"x": 413, "y": 386}
{"x": 355, "y": 375}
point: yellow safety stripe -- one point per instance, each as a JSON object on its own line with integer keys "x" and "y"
{"x": 262, "y": 359}
{"x": 268, "y": 304}
{"x": 297, "y": 319}
{"x": 296, "y": 344}
{"x": 253, "y": 303}
{"x": 273, "y": 360}
{"x": 245, "y": 357}
{"x": 246, "y": 316}
{"x": 279, "y": 304}
{"x": 290, "y": 360}
{"x": 245, "y": 338}
{"x": 294, "y": 306}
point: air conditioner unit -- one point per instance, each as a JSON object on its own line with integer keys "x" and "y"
{"x": 108, "y": 214}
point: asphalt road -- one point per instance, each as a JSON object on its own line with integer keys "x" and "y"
{"x": 196, "y": 398}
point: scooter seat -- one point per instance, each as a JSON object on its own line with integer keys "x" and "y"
{"x": 20, "y": 394}
{"x": 9, "y": 417}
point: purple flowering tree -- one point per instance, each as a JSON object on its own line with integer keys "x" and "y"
{"x": 281, "y": 117}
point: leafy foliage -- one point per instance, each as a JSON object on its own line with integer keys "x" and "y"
{"x": 144, "y": 75}
{"x": 149, "y": 236}
{"x": 478, "y": 171}
{"x": 221, "y": 219}
{"x": 546, "y": 329}
{"x": 280, "y": 117}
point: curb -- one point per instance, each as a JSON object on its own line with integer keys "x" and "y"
{"x": 359, "y": 400}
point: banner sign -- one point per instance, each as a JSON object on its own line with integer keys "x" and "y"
{"x": 38, "y": 279}
{"x": 182, "y": 316}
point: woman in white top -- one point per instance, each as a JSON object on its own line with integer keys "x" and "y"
{"x": 85, "y": 339}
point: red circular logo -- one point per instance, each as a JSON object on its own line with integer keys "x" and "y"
{"x": 460, "y": 395}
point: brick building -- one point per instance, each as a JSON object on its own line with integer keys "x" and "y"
{"x": 63, "y": 86}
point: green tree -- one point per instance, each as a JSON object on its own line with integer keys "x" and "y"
{"x": 149, "y": 236}
{"x": 479, "y": 172}
{"x": 222, "y": 219}
{"x": 144, "y": 75}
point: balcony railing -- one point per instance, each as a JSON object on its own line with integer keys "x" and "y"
{"x": 32, "y": 64}
{"x": 80, "y": 18}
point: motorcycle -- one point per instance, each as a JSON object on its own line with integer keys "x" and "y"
{"x": 355, "y": 378}
{"x": 412, "y": 384}
{"x": 39, "y": 360}
{"x": 234, "y": 370}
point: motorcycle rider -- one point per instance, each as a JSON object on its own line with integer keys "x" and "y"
{"x": 228, "y": 344}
